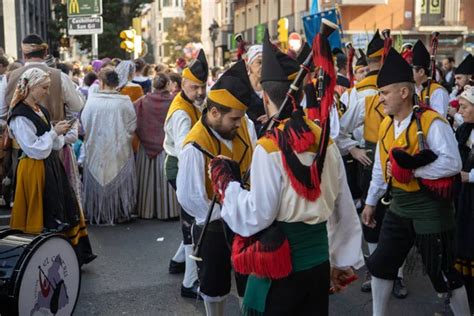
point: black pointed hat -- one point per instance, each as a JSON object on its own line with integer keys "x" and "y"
{"x": 303, "y": 54}
{"x": 375, "y": 47}
{"x": 395, "y": 69}
{"x": 198, "y": 69}
{"x": 361, "y": 61}
{"x": 276, "y": 65}
{"x": 233, "y": 88}
{"x": 421, "y": 56}
{"x": 466, "y": 67}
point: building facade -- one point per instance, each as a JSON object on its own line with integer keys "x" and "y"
{"x": 410, "y": 20}
{"x": 162, "y": 14}
{"x": 19, "y": 18}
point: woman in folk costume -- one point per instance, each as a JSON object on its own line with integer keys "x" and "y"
{"x": 156, "y": 198}
{"x": 465, "y": 202}
{"x": 44, "y": 200}
{"x": 110, "y": 185}
{"x": 125, "y": 71}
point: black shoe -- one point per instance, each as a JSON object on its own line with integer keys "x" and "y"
{"x": 176, "y": 267}
{"x": 366, "y": 287}
{"x": 399, "y": 288}
{"x": 89, "y": 259}
{"x": 191, "y": 292}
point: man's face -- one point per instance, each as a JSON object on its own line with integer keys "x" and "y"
{"x": 447, "y": 66}
{"x": 418, "y": 74}
{"x": 360, "y": 73}
{"x": 255, "y": 67}
{"x": 391, "y": 97}
{"x": 460, "y": 81}
{"x": 466, "y": 109}
{"x": 228, "y": 123}
{"x": 194, "y": 91}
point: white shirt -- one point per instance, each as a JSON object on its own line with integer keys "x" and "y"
{"x": 333, "y": 119}
{"x": 248, "y": 212}
{"x": 190, "y": 181}
{"x": 439, "y": 100}
{"x": 39, "y": 148}
{"x": 440, "y": 140}
{"x": 73, "y": 99}
{"x": 176, "y": 129}
{"x": 471, "y": 145}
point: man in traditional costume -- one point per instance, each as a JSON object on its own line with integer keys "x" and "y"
{"x": 417, "y": 155}
{"x": 435, "y": 95}
{"x": 462, "y": 77}
{"x": 300, "y": 221}
{"x": 255, "y": 112}
{"x": 368, "y": 113}
{"x": 184, "y": 112}
{"x": 222, "y": 130}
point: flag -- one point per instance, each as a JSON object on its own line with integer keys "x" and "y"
{"x": 312, "y": 23}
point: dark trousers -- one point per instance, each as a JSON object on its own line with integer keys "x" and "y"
{"x": 186, "y": 220}
{"x": 302, "y": 293}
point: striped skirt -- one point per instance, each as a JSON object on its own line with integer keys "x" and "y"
{"x": 156, "y": 198}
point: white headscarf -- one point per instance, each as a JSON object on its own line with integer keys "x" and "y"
{"x": 29, "y": 79}
{"x": 253, "y": 52}
{"x": 124, "y": 70}
{"x": 468, "y": 94}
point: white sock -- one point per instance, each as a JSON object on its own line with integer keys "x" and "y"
{"x": 215, "y": 308}
{"x": 400, "y": 270}
{"x": 372, "y": 246}
{"x": 190, "y": 272}
{"x": 381, "y": 290}
{"x": 459, "y": 303}
{"x": 180, "y": 256}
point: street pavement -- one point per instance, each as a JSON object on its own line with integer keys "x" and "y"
{"x": 130, "y": 277}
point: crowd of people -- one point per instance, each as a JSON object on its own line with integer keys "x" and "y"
{"x": 378, "y": 146}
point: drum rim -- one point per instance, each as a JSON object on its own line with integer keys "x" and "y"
{"x": 37, "y": 241}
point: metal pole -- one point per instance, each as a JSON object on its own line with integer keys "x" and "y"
{"x": 95, "y": 46}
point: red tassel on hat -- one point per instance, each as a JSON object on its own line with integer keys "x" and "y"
{"x": 400, "y": 174}
{"x": 241, "y": 49}
{"x": 441, "y": 187}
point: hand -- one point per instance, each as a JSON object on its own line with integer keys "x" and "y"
{"x": 389, "y": 168}
{"x": 464, "y": 176}
{"x": 361, "y": 156}
{"x": 368, "y": 216}
{"x": 340, "y": 278}
{"x": 61, "y": 127}
{"x": 452, "y": 111}
{"x": 263, "y": 118}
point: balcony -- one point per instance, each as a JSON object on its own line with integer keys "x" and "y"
{"x": 361, "y": 2}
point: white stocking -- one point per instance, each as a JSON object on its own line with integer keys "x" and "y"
{"x": 190, "y": 272}
{"x": 381, "y": 290}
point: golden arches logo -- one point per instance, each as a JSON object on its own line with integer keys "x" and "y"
{"x": 73, "y": 6}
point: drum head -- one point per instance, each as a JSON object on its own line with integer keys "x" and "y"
{"x": 50, "y": 279}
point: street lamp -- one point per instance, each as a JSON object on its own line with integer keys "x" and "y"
{"x": 213, "y": 32}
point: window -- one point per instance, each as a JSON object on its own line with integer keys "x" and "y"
{"x": 167, "y": 22}
{"x": 167, "y": 3}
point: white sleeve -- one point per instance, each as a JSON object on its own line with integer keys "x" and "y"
{"x": 377, "y": 183}
{"x": 72, "y": 98}
{"x": 33, "y": 146}
{"x": 179, "y": 126}
{"x": 190, "y": 184}
{"x": 471, "y": 176}
{"x": 344, "y": 229}
{"x": 442, "y": 142}
{"x": 353, "y": 118}
{"x": 248, "y": 212}
{"x": 4, "y": 107}
{"x": 251, "y": 130}
{"x": 439, "y": 101}
{"x": 334, "y": 122}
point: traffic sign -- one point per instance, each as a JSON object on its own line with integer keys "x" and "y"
{"x": 84, "y": 25}
{"x": 84, "y": 7}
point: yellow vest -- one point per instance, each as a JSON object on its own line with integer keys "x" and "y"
{"x": 433, "y": 87}
{"x": 407, "y": 140}
{"x": 179, "y": 103}
{"x": 241, "y": 148}
{"x": 269, "y": 145}
{"x": 374, "y": 115}
{"x": 369, "y": 82}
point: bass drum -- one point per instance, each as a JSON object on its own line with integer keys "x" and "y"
{"x": 39, "y": 275}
